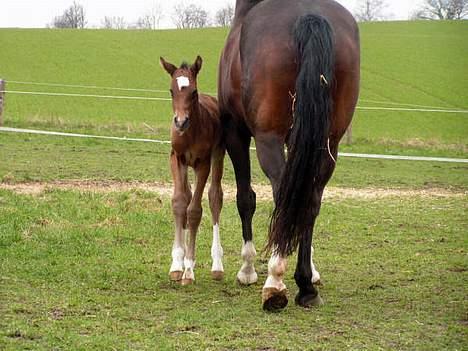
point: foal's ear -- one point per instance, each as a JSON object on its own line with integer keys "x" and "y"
{"x": 196, "y": 67}
{"x": 169, "y": 67}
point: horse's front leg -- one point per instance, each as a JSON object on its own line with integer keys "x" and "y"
{"x": 194, "y": 214}
{"x": 180, "y": 200}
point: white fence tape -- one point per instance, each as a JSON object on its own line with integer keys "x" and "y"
{"x": 399, "y": 109}
{"x": 344, "y": 154}
{"x": 85, "y": 95}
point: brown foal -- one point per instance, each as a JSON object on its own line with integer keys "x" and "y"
{"x": 196, "y": 142}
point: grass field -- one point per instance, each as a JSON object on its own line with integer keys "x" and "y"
{"x": 417, "y": 63}
{"x": 87, "y": 268}
{"x": 87, "y": 271}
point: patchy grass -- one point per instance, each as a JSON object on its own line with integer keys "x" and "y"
{"x": 26, "y": 158}
{"x": 81, "y": 270}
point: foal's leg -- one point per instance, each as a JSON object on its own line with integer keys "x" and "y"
{"x": 270, "y": 152}
{"x": 180, "y": 200}
{"x": 194, "y": 214}
{"x": 237, "y": 144}
{"x": 215, "y": 196}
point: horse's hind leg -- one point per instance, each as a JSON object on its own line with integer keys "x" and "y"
{"x": 194, "y": 214}
{"x": 270, "y": 152}
{"x": 237, "y": 144}
{"x": 308, "y": 294}
{"x": 306, "y": 276}
{"x": 215, "y": 196}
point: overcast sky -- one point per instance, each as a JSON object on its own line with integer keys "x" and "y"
{"x": 39, "y": 13}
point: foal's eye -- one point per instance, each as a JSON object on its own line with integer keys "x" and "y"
{"x": 172, "y": 93}
{"x": 195, "y": 94}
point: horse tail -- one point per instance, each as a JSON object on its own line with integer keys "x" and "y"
{"x": 294, "y": 213}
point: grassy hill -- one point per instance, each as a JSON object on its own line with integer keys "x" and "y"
{"x": 415, "y": 63}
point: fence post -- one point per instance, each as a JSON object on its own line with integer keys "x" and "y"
{"x": 2, "y": 99}
{"x": 349, "y": 134}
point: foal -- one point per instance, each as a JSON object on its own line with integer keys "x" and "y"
{"x": 196, "y": 142}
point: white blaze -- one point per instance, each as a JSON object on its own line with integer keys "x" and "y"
{"x": 182, "y": 82}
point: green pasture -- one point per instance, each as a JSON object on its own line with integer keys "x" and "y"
{"x": 87, "y": 271}
{"x": 35, "y": 158}
{"x": 403, "y": 64}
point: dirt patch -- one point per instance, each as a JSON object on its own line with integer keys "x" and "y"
{"x": 263, "y": 191}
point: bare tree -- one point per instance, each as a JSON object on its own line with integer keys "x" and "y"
{"x": 73, "y": 17}
{"x": 189, "y": 16}
{"x": 460, "y": 9}
{"x": 224, "y": 16}
{"x": 152, "y": 18}
{"x": 370, "y": 10}
{"x": 114, "y": 23}
{"x": 443, "y": 9}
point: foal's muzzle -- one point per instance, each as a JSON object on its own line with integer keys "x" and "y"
{"x": 181, "y": 124}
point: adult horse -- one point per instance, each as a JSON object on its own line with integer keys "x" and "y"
{"x": 289, "y": 74}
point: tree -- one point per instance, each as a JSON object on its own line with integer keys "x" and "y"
{"x": 189, "y": 16}
{"x": 73, "y": 17}
{"x": 443, "y": 9}
{"x": 114, "y": 23}
{"x": 151, "y": 19}
{"x": 370, "y": 10}
{"x": 224, "y": 16}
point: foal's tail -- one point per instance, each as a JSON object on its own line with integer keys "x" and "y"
{"x": 294, "y": 214}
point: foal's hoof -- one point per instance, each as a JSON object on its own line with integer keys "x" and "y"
{"x": 309, "y": 300}
{"x": 186, "y": 281}
{"x": 274, "y": 300}
{"x": 176, "y": 276}
{"x": 217, "y": 275}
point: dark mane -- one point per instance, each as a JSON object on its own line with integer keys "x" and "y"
{"x": 184, "y": 65}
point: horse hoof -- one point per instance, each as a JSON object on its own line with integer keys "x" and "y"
{"x": 247, "y": 279}
{"x": 176, "y": 276}
{"x": 274, "y": 300}
{"x": 217, "y": 275}
{"x": 308, "y": 301}
{"x": 186, "y": 281}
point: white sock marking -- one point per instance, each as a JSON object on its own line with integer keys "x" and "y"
{"x": 189, "y": 269}
{"x": 276, "y": 269}
{"x": 178, "y": 254}
{"x": 315, "y": 273}
{"x": 247, "y": 274}
{"x": 217, "y": 250}
{"x": 182, "y": 82}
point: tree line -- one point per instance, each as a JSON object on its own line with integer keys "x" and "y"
{"x": 194, "y": 16}
{"x": 375, "y": 10}
{"x": 183, "y": 16}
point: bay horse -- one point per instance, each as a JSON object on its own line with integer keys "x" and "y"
{"x": 196, "y": 142}
{"x": 288, "y": 75}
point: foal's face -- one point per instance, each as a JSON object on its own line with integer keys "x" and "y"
{"x": 183, "y": 91}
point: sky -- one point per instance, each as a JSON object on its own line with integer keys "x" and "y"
{"x": 39, "y": 13}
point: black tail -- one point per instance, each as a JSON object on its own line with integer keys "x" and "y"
{"x": 307, "y": 144}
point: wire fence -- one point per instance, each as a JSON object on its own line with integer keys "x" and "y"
{"x": 397, "y": 107}
{"x": 167, "y": 142}
{"x": 394, "y": 106}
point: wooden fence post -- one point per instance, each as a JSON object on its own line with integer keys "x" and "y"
{"x": 2, "y": 99}
{"x": 349, "y": 134}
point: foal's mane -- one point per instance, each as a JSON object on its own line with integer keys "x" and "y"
{"x": 184, "y": 65}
